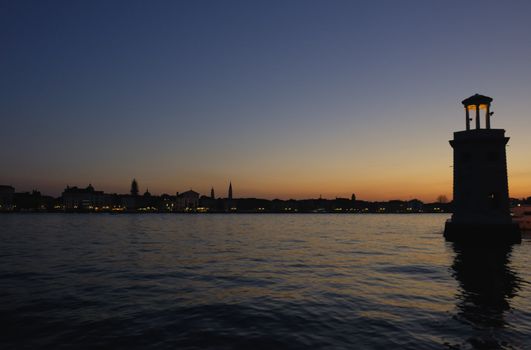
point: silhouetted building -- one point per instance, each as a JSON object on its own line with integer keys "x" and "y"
{"x": 134, "y": 188}
{"x": 481, "y": 195}
{"x": 212, "y": 196}
{"x": 130, "y": 202}
{"x": 149, "y": 202}
{"x": 6, "y": 197}
{"x": 32, "y": 201}
{"x": 414, "y": 206}
{"x": 187, "y": 201}
{"x": 75, "y": 198}
{"x": 166, "y": 202}
{"x": 133, "y": 201}
{"x": 229, "y": 203}
{"x": 437, "y": 207}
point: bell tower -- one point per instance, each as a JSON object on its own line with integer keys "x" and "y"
{"x": 481, "y": 195}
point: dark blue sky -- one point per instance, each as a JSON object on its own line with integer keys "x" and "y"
{"x": 284, "y": 98}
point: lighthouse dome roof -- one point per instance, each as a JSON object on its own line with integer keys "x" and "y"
{"x": 477, "y": 99}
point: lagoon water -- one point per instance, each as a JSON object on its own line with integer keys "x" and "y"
{"x": 287, "y": 281}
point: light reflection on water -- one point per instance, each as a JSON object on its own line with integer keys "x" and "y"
{"x": 256, "y": 281}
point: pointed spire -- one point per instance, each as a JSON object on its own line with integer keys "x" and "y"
{"x": 134, "y": 188}
{"x": 212, "y": 196}
{"x": 230, "y": 190}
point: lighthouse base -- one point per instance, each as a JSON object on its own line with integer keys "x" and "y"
{"x": 482, "y": 233}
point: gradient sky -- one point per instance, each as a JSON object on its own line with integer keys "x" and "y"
{"x": 288, "y": 99}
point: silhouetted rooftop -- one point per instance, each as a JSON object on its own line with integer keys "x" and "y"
{"x": 476, "y": 99}
{"x": 188, "y": 193}
{"x": 75, "y": 189}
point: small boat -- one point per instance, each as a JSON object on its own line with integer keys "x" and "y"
{"x": 522, "y": 215}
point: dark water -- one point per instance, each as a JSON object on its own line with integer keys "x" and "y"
{"x": 256, "y": 282}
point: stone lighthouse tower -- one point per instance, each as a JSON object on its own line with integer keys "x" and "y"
{"x": 481, "y": 195}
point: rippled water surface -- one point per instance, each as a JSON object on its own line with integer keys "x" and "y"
{"x": 256, "y": 282}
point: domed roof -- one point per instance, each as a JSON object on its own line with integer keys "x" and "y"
{"x": 477, "y": 99}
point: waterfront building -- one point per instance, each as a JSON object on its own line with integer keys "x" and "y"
{"x": 133, "y": 201}
{"x": 6, "y": 197}
{"x": 33, "y": 201}
{"x": 481, "y": 195}
{"x": 414, "y": 206}
{"x": 148, "y": 202}
{"x": 230, "y": 205}
{"x": 134, "y": 188}
{"x": 88, "y": 198}
{"x": 130, "y": 202}
{"x": 187, "y": 201}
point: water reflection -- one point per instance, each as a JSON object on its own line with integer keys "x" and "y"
{"x": 487, "y": 284}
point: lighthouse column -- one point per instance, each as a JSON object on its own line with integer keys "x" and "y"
{"x": 477, "y": 116}
{"x": 481, "y": 209}
{"x": 487, "y": 117}
{"x": 467, "y": 118}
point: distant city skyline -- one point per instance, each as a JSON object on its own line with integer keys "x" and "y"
{"x": 226, "y": 193}
{"x": 285, "y": 99}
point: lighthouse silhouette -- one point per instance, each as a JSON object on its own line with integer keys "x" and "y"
{"x": 481, "y": 195}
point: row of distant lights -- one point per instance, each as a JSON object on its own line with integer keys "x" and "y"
{"x": 105, "y": 207}
{"x": 205, "y": 209}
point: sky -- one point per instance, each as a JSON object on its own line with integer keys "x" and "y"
{"x": 286, "y": 99}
